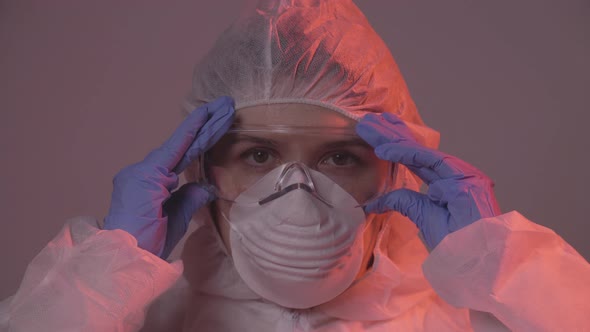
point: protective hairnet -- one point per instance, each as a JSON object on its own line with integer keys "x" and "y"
{"x": 311, "y": 52}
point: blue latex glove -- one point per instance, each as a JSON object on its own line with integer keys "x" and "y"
{"x": 142, "y": 201}
{"x": 458, "y": 193}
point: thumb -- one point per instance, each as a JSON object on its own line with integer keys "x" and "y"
{"x": 409, "y": 203}
{"x": 182, "y": 204}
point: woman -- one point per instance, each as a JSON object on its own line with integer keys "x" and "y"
{"x": 305, "y": 189}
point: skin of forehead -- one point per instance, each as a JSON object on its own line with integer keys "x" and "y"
{"x": 298, "y": 115}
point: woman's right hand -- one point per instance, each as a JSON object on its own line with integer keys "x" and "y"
{"x": 142, "y": 201}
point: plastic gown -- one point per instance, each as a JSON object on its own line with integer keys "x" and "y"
{"x": 496, "y": 274}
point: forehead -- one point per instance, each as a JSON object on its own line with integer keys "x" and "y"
{"x": 299, "y": 115}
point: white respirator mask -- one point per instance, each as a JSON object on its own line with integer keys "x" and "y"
{"x": 296, "y": 237}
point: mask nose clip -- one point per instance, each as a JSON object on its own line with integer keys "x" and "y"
{"x": 289, "y": 170}
{"x": 306, "y": 183}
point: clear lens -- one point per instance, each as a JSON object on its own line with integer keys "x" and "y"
{"x": 243, "y": 157}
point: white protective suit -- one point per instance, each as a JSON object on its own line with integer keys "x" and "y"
{"x": 497, "y": 273}
{"x": 88, "y": 279}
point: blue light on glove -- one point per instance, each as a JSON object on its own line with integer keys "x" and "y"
{"x": 142, "y": 201}
{"x": 458, "y": 193}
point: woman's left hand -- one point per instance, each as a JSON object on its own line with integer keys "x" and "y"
{"x": 458, "y": 193}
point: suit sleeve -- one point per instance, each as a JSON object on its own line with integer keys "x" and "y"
{"x": 522, "y": 273}
{"x": 87, "y": 279}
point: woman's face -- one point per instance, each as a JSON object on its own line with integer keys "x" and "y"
{"x": 240, "y": 158}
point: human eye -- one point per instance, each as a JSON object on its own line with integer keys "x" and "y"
{"x": 340, "y": 159}
{"x": 258, "y": 157}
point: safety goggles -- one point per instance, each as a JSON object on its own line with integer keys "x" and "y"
{"x": 288, "y": 158}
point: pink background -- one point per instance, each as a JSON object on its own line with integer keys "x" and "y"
{"x": 88, "y": 87}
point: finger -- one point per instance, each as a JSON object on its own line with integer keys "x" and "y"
{"x": 430, "y": 218}
{"x": 171, "y": 152}
{"x": 387, "y": 128}
{"x": 220, "y": 121}
{"x": 409, "y": 203}
{"x": 184, "y": 202}
{"x": 425, "y": 174}
{"x": 180, "y": 207}
{"x": 442, "y": 166}
{"x": 378, "y": 129}
{"x": 467, "y": 199}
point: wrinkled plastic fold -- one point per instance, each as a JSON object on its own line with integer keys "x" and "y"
{"x": 522, "y": 272}
{"x": 322, "y": 53}
{"x": 497, "y": 274}
{"x": 88, "y": 279}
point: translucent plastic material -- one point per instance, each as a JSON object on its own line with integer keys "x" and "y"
{"x": 294, "y": 176}
{"x": 247, "y": 154}
{"x": 323, "y": 53}
{"x": 289, "y": 129}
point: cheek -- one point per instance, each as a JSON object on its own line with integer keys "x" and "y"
{"x": 227, "y": 182}
{"x": 367, "y": 187}
{"x": 218, "y": 211}
{"x": 224, "y": 229}
{"x": 370, "y": 183}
